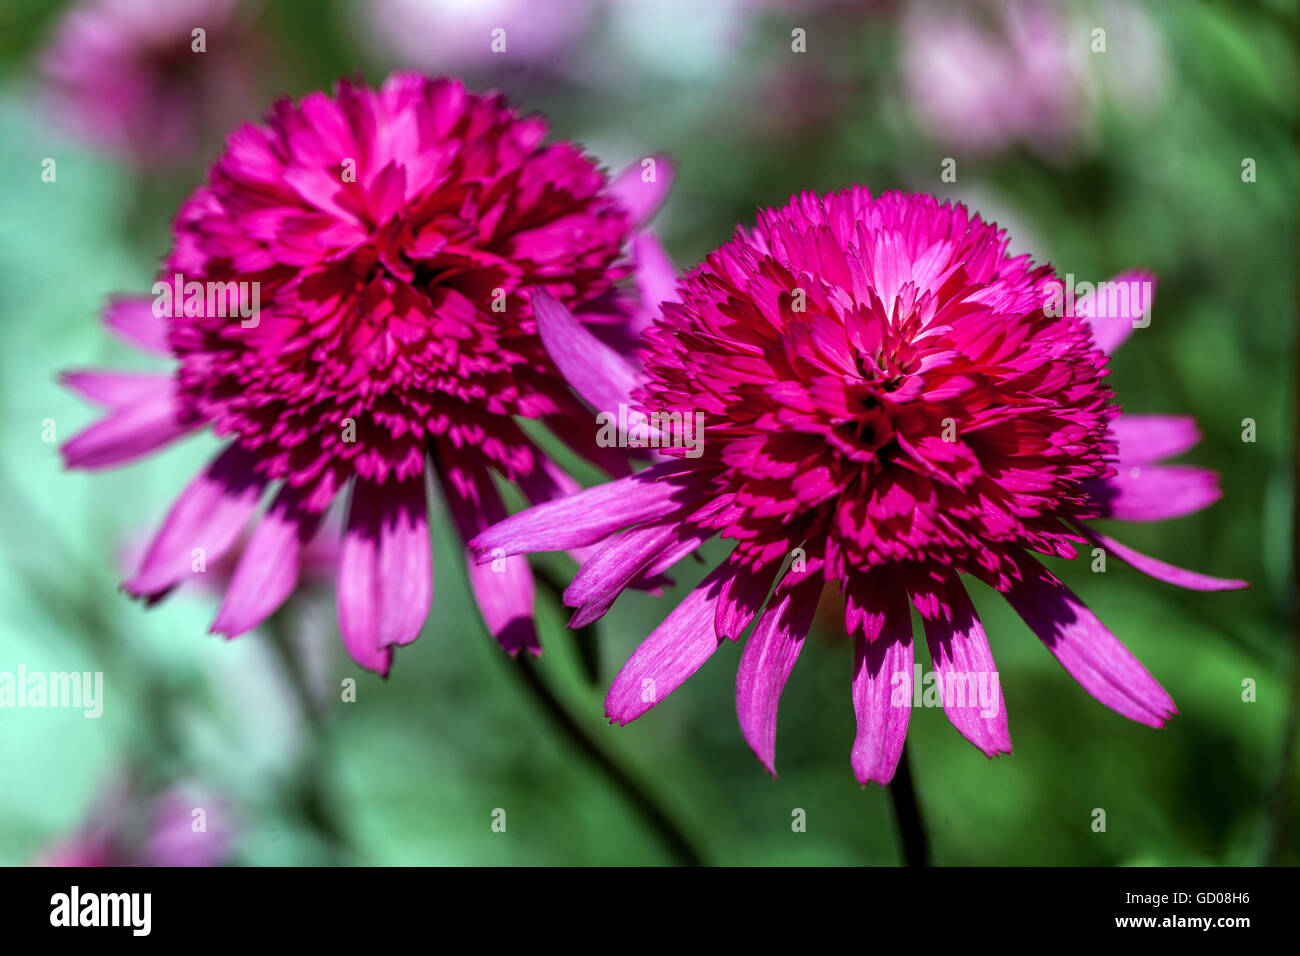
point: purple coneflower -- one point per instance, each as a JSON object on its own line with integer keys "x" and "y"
{"x": 890, "y": 402}
{"x": 347, "y": 305}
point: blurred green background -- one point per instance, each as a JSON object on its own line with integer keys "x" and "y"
{"x": 1137, "y": 163}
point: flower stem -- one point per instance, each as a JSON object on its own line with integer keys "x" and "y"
{"x": 668, "y": 833}
{"x": 310, "y": 790}
{"x": 907, "y": 811}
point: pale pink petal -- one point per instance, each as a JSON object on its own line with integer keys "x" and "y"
{"x": 674, "y": 651}
{"x": 634, "y": 554}
{"x": 743, "y": 594}
{"x": 597, "y": 372}
{"x": 642, "y": 199}
{"x": 130, "y": 431}
{"x": 202, "y": 525}
{"x": 1148, "y": 438}
{"x": 1155, "y": 492}
{"x": 960, "y": 655}
{"x": 503, "y": 587}
{"x": 587, "y": 517}
{"x": 132, "y": 319}
{"x": 118, "y": 389}
{"x": 385, "y": 579}
{"x": 1112, "y": 321}
{"x": 768, "y": 659}
{"x": 1094, "y": 657}
{"x": 882, "y": 687}
{"x": 268, "y": 569}
{"x": 1161, "y": 571}
{"x": 656, "y": 278}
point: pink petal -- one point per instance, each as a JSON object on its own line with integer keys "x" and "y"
{"x": 743, "y": 594}
{"x": 385, "y": 579}
{"x": 118, "y": 389}
{"x": 656, "y": 278}
{"x": 629, "y": 556}
{"x": 130, "y": 431}
{"x": 1161, "y": 571}
{"x": 503, "y": 588}
{"x": 209, "y": 515}
{"x": 1155, "y": 492}
{"x": 642, "y": 199}
{"x": 1092, "y": 655}
{"x": 767, "y": 660}
{"x": 1110, "y": 331}
{"x": 1148, "y": 438}
{"x": 268, "y": 569}
{"x": 960, "y": 655}
{"x": 131, "y": 318}
{"x": 587, "y": 517}
{"x": 674, "y": 651}
{"x": 594, "y": 370}
{"x": 878, "y": 660}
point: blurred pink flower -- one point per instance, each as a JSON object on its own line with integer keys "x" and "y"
{"x": 457, "y": 35}
{"x": 124, "y": 74}
{"x": 983, "y": 76}
{"x": 127, "y": 827}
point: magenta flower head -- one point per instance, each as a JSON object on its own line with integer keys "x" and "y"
{"x": 347, "y": 305}
{"x": 146, "y": 79}
{"x": 869, "y": 392}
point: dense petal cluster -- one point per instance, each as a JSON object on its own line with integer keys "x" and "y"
{"x": 348, "y": 302}
{"x": 890, "y": 399}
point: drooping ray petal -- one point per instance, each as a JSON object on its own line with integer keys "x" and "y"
{"x": 882, "y": 686}
{"x": 1159, "y": 570}
{"x": 635, "y": 555}
{"x": 656, "y": 277}
{"x": 597, "y": 372}
{"x": 743, "y": 594}
{"x": 587, "y": 517}
{"x": 503, "y": 587}
{"x": 118, "y": 389}
{"x": 642, "y": 186}
{"x": 131, "y": 318}
{"x": 768, "y": 659}
{"x": 204, "y": 522}
{"x": 1147, "y": 438}
{"x": 1112, "y": 315}
{"x": 1155, "y": 492}
{"x": 268, "y": 569}
{"x": 963, "y": 664}
{"x": 674, "y": 651}
{"x": 1094, "y": 657}
{"x": 385, "y": 579}
{"x": 130, "y": 431}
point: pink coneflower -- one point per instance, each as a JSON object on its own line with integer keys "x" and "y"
{"x": 388, "y": 240}
{"x": 183, "y": 825}
{"x": 889, "y": 404}
{"x": 127, "y": 75}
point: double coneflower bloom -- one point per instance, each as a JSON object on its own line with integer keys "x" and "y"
{"x": 347, "y": 305}
{"x": 891, "y": 402}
